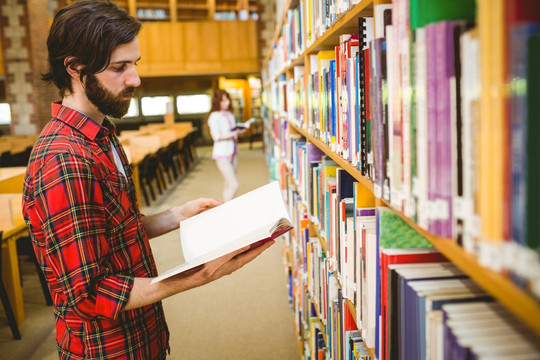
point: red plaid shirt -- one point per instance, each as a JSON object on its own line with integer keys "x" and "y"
{"x": 89, "y": 239}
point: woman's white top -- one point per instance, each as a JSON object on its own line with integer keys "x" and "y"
{"x": 221, "y": 123}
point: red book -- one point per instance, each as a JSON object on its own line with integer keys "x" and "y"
{"x": 399, "y": 256}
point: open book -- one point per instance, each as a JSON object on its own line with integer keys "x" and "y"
{"x": 244, "y": 125}
{"x": 256, "y": 216}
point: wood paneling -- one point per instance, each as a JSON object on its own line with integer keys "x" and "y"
{"x": 202, "y": 47}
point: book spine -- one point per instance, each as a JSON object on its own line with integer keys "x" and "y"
{"x": 445, "y": 69}
{"x": 421, "y": 121}
{"x": 431, "y": 101}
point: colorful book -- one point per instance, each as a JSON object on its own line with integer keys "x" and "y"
{"x": 398, "y": 242}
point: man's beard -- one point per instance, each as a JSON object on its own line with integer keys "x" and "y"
{"x": 108, "y": 103}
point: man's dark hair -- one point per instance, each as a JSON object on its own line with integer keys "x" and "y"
{"x": 88, "y": 31}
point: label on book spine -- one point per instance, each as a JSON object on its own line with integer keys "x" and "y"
{"x": 490, "y": 255}
{"x": 377, "y": 190}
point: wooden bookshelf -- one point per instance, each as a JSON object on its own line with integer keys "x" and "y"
{"x": 181, "y": 10}
{"x": 500, "y": 286}
{"x": 497, "y": 285}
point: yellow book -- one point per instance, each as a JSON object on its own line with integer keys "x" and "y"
{"x": 492, "y": 138}
{"x": 363, "y": 197}
{"x": 330, "y": 171}
{"x": 324, "y": 58}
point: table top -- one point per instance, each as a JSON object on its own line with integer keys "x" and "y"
{"x": 11, "y": 218}
{"x": 9, "y": 172}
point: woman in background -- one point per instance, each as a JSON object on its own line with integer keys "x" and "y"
{"x": 225, "y": 151}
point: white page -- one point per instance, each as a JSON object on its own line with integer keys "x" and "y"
{"x": 230, "y": 226}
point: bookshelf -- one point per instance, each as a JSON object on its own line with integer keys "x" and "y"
{"x": 189, "y": 10}
{"x": 292, "y": 120}
{"x": 195, "y": 42}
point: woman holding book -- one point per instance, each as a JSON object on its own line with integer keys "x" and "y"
{"x": 225, "y": 151}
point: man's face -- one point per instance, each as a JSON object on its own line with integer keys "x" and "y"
{"x": 111, "y": 90}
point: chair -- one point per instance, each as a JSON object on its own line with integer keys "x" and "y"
{"x": 181, "y": 156}
{"x": 6, "y": 159}
{"x": 146, "y": 185}
{"x": 21, "y": 158}
{"x": 150, "y": 172}
{"x": 256, "y": 131}
{"x": 24, "y": 247}
{"x": 167, "y": 164}
{"x": 7, "y": 304}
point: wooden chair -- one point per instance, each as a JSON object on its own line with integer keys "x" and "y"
{"x": 7, "y": 304}
{"x": 24, "y": 247}
{"x": 150, "y": 174}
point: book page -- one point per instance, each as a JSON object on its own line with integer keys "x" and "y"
{"x": 257, "y": 215}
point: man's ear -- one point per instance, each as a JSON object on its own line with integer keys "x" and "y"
{"x": 73, "y": 70}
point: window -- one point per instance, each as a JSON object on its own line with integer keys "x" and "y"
{"x": 133, "y": 110}
{"x": 155, "y": 105}
{"x": 5, "y": 113}
{"x": 193, "y": 104}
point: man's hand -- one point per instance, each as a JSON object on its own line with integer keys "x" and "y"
{"x": 194, "y": 207}
{"x": 159, "y": 224}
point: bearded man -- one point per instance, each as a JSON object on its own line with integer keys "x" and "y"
{"x": 79, "y": 202}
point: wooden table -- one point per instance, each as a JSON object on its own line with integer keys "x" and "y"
{"x": 13, "y": 227}
{"x": 12, "y": 179}
{"x": 137, "y": 144}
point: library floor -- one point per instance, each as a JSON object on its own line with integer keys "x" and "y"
{"x": 242, "y": 316}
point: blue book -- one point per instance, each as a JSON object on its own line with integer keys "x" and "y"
{"x": 357, "y": 117}
{"x": 333, "y": 109}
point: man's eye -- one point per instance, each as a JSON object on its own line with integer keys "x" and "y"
{"x": 119, "y": 68}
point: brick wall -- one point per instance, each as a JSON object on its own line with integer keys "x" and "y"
{"x": 24, "y": 50}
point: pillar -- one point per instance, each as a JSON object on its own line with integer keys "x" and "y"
{"x": 24, "y": 27}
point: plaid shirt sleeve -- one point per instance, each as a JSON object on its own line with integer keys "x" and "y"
{"x": 70, "y": 203}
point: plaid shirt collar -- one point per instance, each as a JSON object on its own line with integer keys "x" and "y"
{"x": 81, "y": 122}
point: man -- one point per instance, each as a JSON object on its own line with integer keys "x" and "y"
{"x": 80, "y": 205}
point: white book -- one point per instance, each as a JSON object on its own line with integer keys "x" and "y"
{"x": 258, "y": 215}
{"x": 420, "y": 182}
{"x": 243, "y": 125}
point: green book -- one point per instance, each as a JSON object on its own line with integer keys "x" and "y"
{"x": 423, "y": 12}
{"x": 394, "y": 233}
{"x": 533, "y": 145}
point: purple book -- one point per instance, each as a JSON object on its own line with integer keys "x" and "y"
{"x": 313, "y": 153}
{"x": 316, "y": 104}
{"x": 351, "y": 123}
{"x": 377, "y": 130}
{"x": 446, "y": 102}
{"x": 431, "y": 99}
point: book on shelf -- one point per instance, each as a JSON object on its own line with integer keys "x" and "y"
{"x": 379, "y": 140}
{"x": 257, "y": 216}
{"x": 438, "y": 113}
{"x": 407, "y": 271}
{"x": 483, "y": 329}
{"x": 366, "y": 34}
{"x": 398, "y": 242}
{"x": 413, "y": 309}
{"x": 524, "y": 54}
{"x": 533, "y": 146}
